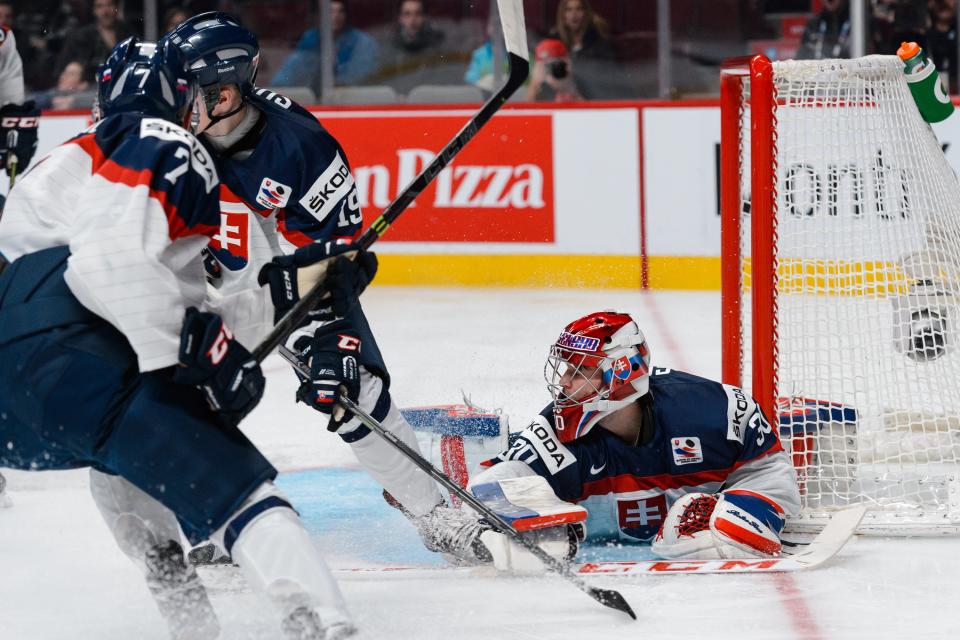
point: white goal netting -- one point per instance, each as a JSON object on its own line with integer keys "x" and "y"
{"x": 867, "y": 319}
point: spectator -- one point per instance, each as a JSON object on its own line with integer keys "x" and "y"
{"x": 586, "y": 36}
{"x": 480, "y": 70}
{"x": 174, "y": 16}
{"x": 897, "y": 21}
{"x": 552, "y": 74}
{"x": 91, "y": 44}
{"x": 356, "y": 55}
{"x": 827, "y": 34}
{"x": 41, "y": 28}
{"x": 73, "y": 91}
{"x": 942, "y": 40}
{"x": 413, "y": 54}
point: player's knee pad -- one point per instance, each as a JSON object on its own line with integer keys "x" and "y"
{"x": 265, "y": 501}
{"x": 269, "y": 542}
{"x": 746, "y": 523}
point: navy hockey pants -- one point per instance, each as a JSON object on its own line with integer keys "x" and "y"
{"x": 71, "y": 395}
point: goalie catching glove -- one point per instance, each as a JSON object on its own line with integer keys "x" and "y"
{"x": 222, "y": 367}
{"x": 291, "y": 276}
{"x": 730, "y": 524}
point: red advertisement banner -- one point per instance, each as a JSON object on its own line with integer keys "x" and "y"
{"x": 498, "y": 189}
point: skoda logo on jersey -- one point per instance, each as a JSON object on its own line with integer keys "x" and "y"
{"x": 686, "y": 450}
{"x": 273, "y": 194}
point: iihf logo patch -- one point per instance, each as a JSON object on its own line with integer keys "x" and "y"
{"x": 686, "y": 450}
{"x": 273, "y": 194}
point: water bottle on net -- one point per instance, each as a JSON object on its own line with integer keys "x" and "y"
{"x": 924, "y": 82}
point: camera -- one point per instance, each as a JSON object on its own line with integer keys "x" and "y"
{"x": 558, "y": 69}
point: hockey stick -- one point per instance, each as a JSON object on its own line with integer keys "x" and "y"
{"x": 606, "y": 597}
{"x": 515, "y": 34}
{"x": 817, "y": 552}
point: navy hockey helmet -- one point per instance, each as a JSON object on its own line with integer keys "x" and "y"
{"x": 148, "y": 78}
{"x": 220, "y": 52}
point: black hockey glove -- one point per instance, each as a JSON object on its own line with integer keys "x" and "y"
{"x": 18, "y": 135}
{"x": 331, "y": 354}
{"x": 345, "y": 279}
{"x": 222, "y": 367}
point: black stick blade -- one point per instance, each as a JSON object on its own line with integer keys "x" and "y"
{"x": 612, "y": 599}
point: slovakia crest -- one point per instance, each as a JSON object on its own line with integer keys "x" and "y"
{"x": 273, "y": 194}
{"x": 230, "y": 245}
{"x": 686, "y": 450}
{"x": 641, "y": 518}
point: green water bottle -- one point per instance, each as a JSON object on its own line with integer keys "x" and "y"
{"x": 924, "y": 82}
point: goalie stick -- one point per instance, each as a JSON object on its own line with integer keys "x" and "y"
{"x": 817, "y": 552}
{"x": 606, "y": 597}
{"x": 515, "y": 34}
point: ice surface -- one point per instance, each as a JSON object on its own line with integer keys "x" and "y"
{"x": 61, "y": 577}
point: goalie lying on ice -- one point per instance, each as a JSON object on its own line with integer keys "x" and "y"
{"x": 688, "y": 464}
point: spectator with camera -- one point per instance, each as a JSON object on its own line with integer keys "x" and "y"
{"x": 552, "y": 77}
{"x": 586, "y": 37}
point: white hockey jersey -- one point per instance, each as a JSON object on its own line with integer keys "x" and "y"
{"x": 135, "y": 199}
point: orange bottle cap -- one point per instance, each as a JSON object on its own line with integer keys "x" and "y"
{"x": 907, "y": 50}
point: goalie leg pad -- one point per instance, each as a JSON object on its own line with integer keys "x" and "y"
{"x": 510, "y": 556}
{"x": 748, "y": 523}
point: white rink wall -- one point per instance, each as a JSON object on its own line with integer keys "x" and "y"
{"x": 602, "y": 195}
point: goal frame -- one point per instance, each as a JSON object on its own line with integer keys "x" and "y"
{"x": 763, "y": 305}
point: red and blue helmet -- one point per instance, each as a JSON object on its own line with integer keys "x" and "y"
{"x": 220, "y": 52}
{"x": 603, "y": 361}
{"x": 147, "y": 78}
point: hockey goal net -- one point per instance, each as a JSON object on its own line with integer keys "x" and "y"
{"x": 841, "y": 275}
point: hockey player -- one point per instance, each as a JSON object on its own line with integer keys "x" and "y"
{"x": 18, "y": 135}
{"x": 659, "y": 456}
{"x": 655, "y": 455}
{"x": 291, "y": 202}
{"x": 18, "y": 119}
{"x": 105, "y": 361}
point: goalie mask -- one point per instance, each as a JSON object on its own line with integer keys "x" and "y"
{"x": 598, "y": 365}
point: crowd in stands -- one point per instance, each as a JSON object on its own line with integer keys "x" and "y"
{"x": 580, "y": 49}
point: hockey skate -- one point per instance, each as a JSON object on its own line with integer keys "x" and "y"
{"x": 208, "y": 555}
{"x": 456, "y": 534}
{"x": 179, "y": 594}
{"x": 304, "y": 623}
{"x": 5, "y": 501}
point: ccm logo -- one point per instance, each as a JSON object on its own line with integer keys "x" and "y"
{"x": 348, "y": 343}
{"x": 11, "y": 122}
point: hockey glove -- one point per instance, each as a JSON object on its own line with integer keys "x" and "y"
{"x": 331, "y": 356}
{"x": 345, "y": 279}
{"x": 222, "y": 367}
{"x": 731, "y": 524}
{"x": 18, "y": 135}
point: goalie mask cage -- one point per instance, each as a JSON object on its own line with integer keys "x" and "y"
{"x": 840, "y": 282}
